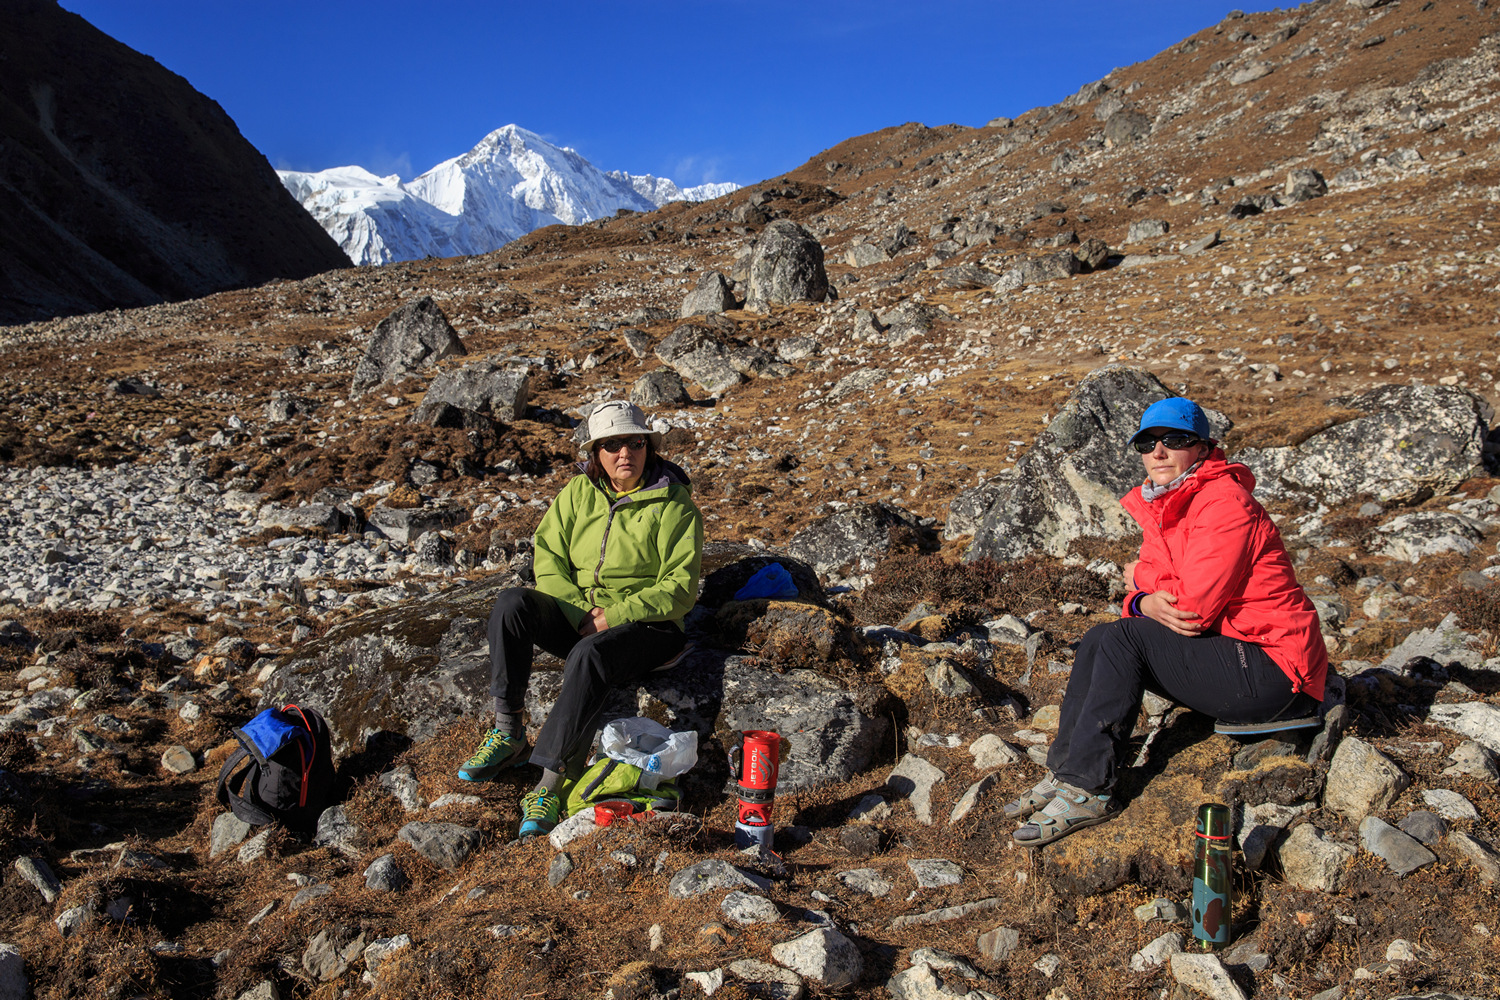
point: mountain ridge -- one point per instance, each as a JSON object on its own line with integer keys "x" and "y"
{"x": 510, "y": 183}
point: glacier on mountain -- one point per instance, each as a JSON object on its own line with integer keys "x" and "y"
{"x": 512, "y": 182}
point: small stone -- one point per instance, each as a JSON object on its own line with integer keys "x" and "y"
{"x": 1423, "y": 826}
{"x": 1310, "y": 861}
{"x": 1478, "y": 853}
{"x": 402, "y": 783}
{"x": 1474, "y": 759}
{"x": 654, "y": 937}
{"x": 446, "y": 845}
{"x": 1156, "y": 954}
{"x": 707, "y": 876}
{"x": 338, "y": 830}
{"x": 384, "y": 874}
{"x": 743, "y": 908}
{"x": 870, "y": 809}
{"x": 1205, "y": 974}
{"x": 1162, "y": 909}
{"x": 227, "y": 831}
{"x": 1449, "y": 804}
{"x": 914, "y": 779}
{"x": 309, "y": 893}
{"x": 72, "y": 920}
{"x": 867, "y": 881}
{"x": 1362, "y": 780}
{"x": 378, "y": 951}
{"x": 255, "y": 848}
{"x": 999, "y": 943}
{"x": 560, "y": 869}
{"x": 991, "y": 752}
{"x": 709, "y": 982}
{"x": 933, "y": 873}
{"x": 771, "y": 982}
{"x": 179, "y": 760}
{"x": 1047, "y": 965}
{"x": 264, "y": 990}
{"x": 1401, "y": 852}
{"x": 971, "y": 797}
{"x": 39, "y": 873}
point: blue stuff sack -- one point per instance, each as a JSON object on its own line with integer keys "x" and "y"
{"x": 770, "y": 581}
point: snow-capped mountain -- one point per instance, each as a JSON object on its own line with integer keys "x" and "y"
{"x": 512, "y": 182}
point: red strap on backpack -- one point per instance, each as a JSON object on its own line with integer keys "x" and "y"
{"x": 307, "y": 759}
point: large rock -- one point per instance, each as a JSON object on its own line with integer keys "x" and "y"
{"x": 850, "y": 542}
{"x": 416, "y": 667}
{"x": 786, "y": 266}
{"x": 1478, "y": 721}
{"x": 411, "y": 668}
{"x": 1423, "y": 533}
{"x": 499, "y": 392}
{"x": 415, "y": 336}
{"x": 700, "y": 355}
{"x": 1069, "y": 484}
{"x": 713, "y": 294}
{"x": 662, "y": 387}
{"x": 1414, "y": 442}
{"x": 1445, "y": 643}
{"x": 1126, "y": 126}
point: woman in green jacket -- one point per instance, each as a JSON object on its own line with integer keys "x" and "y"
{"x": 616, "y": 559}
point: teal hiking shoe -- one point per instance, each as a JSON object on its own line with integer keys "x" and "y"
{"x": 498, "y": 751}
{"x": 538, "y": 813}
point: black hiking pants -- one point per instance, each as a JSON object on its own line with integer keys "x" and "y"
{"x": 1232, "y": 681}
{"x": 593, "y": 667}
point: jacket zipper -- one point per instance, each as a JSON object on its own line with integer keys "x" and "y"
{"x": 603, "y": 544}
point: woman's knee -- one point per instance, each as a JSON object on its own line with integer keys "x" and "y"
{"x": 510, "y": 607}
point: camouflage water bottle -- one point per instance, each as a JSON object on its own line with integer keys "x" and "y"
{"x": 1213, "y": 872}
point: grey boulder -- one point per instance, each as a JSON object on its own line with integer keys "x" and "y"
{"x": 500, "y": 393}
{"x": 662, "y": 387}
{"x": 1414, "y": 442}
{"x": 700, "y": 355}
{"x": 1069, "y": 484}
{"x": 713, "y": 294}
{"x": 415, "y": 336}
{"x": 786, "y": 266}
{"x": 850, "y": 542}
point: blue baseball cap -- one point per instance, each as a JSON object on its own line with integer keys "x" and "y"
{"x": 1178, "y": 414}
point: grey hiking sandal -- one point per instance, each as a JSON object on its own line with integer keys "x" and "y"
{"x": 1071, "y": 809}
{"x": 1030, "y": 801}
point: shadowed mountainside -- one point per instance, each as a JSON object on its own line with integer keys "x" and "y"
{"x": 121, "y": 185}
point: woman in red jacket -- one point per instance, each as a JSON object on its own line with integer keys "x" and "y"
{"x": 1216, "y": 621}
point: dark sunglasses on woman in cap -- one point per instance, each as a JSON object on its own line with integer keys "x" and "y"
{"x": 613, "y": 445}
{"x": 1175, "y": 441}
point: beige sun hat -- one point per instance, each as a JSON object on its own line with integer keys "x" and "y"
{"x": 617, "y": 418}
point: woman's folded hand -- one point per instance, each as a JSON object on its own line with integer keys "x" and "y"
{"x": 1162, "y": 606}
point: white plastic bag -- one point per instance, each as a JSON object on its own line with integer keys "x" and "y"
{"x": 650, "y": 746}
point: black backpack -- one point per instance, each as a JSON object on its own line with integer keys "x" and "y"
{"x": 283, "y": 770}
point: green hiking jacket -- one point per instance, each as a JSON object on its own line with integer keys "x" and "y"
{"x": 636, "y": 556}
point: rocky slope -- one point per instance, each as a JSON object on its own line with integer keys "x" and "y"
{"x": 121, "y": 185}
{"x": 313, "y": 490}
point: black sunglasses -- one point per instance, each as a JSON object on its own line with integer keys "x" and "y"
{"x": 615, "y": 444}
{"x": 1176, "y": 442}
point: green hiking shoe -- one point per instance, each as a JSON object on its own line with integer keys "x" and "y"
{"x": 539, "y": 810}
{"x": 498, "y": 751}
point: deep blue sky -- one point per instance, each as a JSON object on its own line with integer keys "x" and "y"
{"x": 696, "y": 91}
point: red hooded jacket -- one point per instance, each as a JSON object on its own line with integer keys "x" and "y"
{"x": 1213, "y": 546}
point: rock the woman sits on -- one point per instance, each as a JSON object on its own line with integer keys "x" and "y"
{"x": 617, "y": 559}
{"x": 1215, "y": 620}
